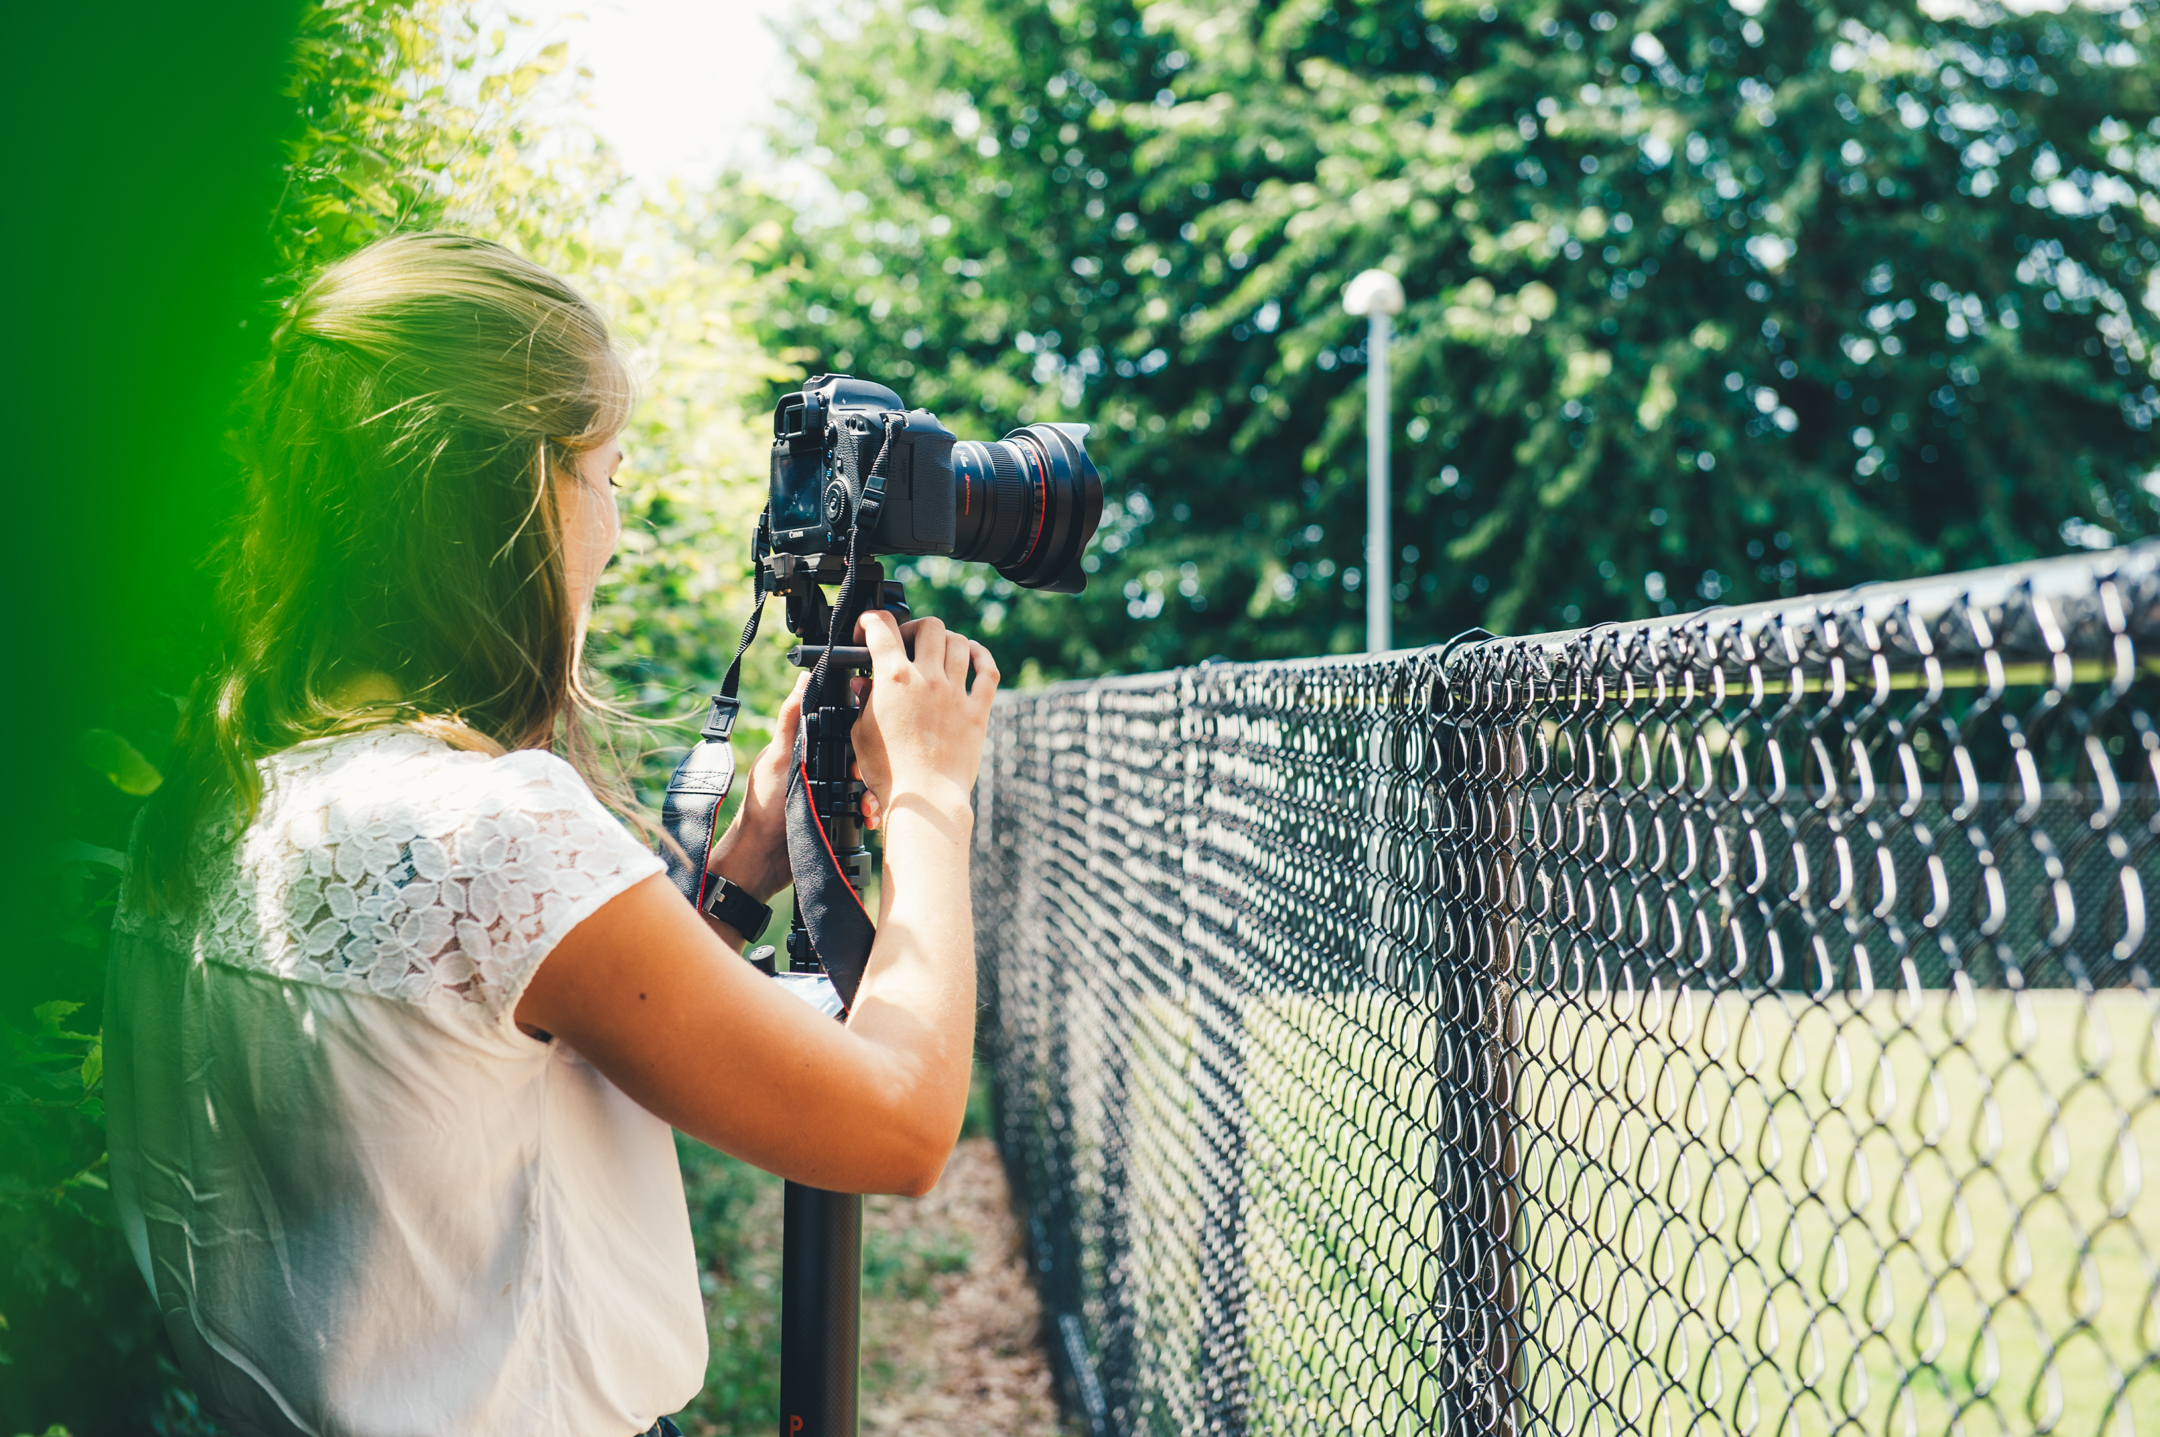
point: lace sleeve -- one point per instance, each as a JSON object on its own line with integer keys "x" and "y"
{"x": 386, "y": 863}
{"x": 527, "y": 855}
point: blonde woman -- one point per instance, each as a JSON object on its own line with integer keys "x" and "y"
{"x": 400, "y": 1012}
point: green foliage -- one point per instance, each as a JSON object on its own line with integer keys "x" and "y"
{"x": 735, "y": 1221}
{"x": 671, "y": 607}
{"x": 81, "y": 1334}
{"x": 54, "y": 1072}
{"x": 904, "y": 1265}
{"x": 409, "y": 115}
{"x": 981, "y": 157}
{"x": 121, "y": 762}
{"x": 71, "y": 1301}
{"x": 52, "y": 1155}
{"x": 145, "y": 136}
{"x": 1705, "y": 305}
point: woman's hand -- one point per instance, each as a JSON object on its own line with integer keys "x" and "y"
{"x": 753, "y": 854}
{"x": 919, "y": 738}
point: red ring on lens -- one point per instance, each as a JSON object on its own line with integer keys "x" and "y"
{"x": 1042, "y": 489}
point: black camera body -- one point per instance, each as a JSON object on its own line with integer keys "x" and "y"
{"x": 826, "y": 440}
{"x": 1027, "y": 504}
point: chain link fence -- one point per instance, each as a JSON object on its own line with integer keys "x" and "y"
{"x": 1737, "y": 1022}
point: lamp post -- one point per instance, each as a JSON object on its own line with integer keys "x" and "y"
{"x": 1378, "y": 296}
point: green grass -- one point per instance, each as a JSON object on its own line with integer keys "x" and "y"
{"x": 1926, "y": 1212}
{"x": 1341, "y": 1216}
{"x": 1911, "y": 1215}
{"x": 735, "y": 1220}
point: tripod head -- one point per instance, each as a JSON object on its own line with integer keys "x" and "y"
{"x": 829, "y": 937}
{"x": 810, "y": 617}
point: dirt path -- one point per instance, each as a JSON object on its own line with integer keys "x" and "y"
{"x": 957, "y": 1352}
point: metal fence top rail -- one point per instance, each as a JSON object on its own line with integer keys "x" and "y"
{"x": 1904, "y": 618}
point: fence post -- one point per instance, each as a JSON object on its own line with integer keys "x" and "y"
{"x": 1216, "y": 1000}
{"x": 1481, "y": 766}
{"x": 1502, "y": 1335}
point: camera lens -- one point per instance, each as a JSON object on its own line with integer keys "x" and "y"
{"x": 1028, "y": 504}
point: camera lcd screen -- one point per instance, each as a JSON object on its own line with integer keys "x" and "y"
{"x": 797, "y": 493}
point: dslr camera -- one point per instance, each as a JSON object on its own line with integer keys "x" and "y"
{"x": 1026, "y": 504}
{"x": 856, "y": 474}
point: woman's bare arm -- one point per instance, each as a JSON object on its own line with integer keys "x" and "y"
{"x": 645, "y": 991}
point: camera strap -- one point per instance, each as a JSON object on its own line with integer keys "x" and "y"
{"x": 695, "y": 795}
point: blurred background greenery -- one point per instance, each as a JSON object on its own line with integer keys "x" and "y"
{"x": 1708, "y": 302}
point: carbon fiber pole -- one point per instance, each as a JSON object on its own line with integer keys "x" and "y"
{"x": 821, "y": 1234}
{"x": 820, "y": 1312}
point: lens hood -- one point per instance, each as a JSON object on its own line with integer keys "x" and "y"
{"x": 1067, "y": 510}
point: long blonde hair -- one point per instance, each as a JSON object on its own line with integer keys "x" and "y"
{"x": 407, "y": 438}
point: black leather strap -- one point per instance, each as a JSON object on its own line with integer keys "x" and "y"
{"x": 833, "y": 914}
{"x": 691, "y": 813}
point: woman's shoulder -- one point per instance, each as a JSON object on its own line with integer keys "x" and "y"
{"x": 376, "y": 801}
{"x": 389, "y": 774}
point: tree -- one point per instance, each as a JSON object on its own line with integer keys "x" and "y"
{"x": 671, "y": 606}
{"x": 396, "y": 115}
{"x": 1706, "y": 303}
{"x": 142, "y": 156}
{"x": 409, "y": 115}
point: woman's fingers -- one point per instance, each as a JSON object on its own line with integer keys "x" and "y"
{"x": 790, "y": 715}
{"x": 959, "y": 652}
{"x": 880, "y": 633}
{"x": 923, "y": 642}
{"x": 986, "y": 674}
{"x": 927, "y": 642}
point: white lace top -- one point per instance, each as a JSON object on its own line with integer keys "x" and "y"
{"x": 366, "y": 1201}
